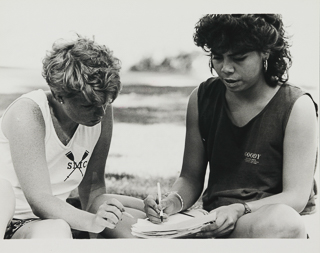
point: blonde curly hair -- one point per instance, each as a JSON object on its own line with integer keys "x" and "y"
{"x": 82, "y": 66}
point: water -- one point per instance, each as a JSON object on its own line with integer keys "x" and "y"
{"x": 14, "y": 80}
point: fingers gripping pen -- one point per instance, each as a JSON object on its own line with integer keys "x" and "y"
{"x": 159, "y": 199}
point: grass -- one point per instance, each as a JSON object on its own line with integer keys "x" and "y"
{"x": 139, "y": 187}
{"x": 136, "y": 186}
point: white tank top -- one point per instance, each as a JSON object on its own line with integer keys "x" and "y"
{"x": 66, "y": 164}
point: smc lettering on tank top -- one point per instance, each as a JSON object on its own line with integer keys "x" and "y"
{"x": 73, "y": 165}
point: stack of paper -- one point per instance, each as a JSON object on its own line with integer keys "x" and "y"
{"x": 177, "y": 225}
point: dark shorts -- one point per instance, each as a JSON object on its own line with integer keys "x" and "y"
{"x": 14, "y": 225}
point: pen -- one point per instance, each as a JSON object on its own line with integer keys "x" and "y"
{"x": 128, "y": 215}
{"x": 159, "y": 199}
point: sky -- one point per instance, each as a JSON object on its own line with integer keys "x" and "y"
{"x": 133, "y": 29}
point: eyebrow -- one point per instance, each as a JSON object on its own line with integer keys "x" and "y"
{"x": 242, "y": 52}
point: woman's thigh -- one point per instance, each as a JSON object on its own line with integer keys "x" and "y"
{"x": 270, "y": 221}
{"x": 44, "y": 229}
{"x": 7, "y": 204}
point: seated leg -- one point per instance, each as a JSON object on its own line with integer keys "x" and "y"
{"x": 7, "y": 204}
{"x": 270, "y": 221}
{"x": 44, "y": 229}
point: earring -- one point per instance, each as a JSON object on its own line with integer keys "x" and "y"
{"x": 61, "y": 102}
{"x": 265, "y": 65}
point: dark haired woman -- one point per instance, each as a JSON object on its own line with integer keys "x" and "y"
{"x": 257, "y": 132}
{"x": 52, "y": 142}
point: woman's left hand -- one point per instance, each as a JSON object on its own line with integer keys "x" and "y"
{"x": 227, "y": 216}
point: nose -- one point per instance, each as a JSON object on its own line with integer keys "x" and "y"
{"x": 227, "y": 67}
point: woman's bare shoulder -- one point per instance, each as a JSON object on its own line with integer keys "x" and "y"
{"x": 23, "y": 114}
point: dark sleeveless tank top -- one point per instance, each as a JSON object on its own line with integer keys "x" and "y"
{"x": 245, "y": 162}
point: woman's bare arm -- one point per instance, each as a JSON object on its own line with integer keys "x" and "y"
{"x": 24, "y": 127}
{"x": 191, "y": 181}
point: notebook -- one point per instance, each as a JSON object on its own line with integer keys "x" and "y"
{"x": 182, "y": 224}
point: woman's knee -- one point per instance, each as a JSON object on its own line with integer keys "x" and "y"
{"x": 279, "y": 221}
{"x": 46, "y": 229}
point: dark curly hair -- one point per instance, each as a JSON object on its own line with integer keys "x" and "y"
{"x": 82, "y": 66}
{"x": 221, "y": 33}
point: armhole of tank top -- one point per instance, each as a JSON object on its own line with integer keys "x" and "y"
{"x": 199, "y": 93}
{"x": 314, "y": 102}
{"x": 287, "y": 116}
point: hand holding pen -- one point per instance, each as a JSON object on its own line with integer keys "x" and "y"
{"x": 158, "y": 211}
{"x": 159, "y": 201}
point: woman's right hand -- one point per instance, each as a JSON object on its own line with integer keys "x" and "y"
{"x": 227, "y": 217}
{"x": 152, "y": 209}
{"x": 107, "y": 216}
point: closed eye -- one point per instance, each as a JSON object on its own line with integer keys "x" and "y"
{"x": 88, "y": 106}
{"x": 240, "y": 58}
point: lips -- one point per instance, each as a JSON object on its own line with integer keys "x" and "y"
{"x": 230, "y": 80}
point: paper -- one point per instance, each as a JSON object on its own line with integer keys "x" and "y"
{"x": 177, "y": 225}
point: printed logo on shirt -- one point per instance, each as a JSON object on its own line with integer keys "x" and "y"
{"x": 251, "y": 157}
{"x": 74, "y": 165}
